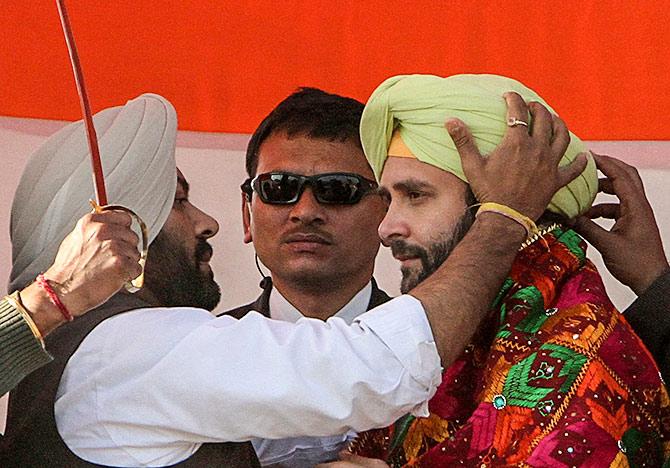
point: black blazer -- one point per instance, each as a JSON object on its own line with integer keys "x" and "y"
{"x": 262, "y": 304}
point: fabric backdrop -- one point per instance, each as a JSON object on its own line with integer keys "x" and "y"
{"x": 602, "y": 64}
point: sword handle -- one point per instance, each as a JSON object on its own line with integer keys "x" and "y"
{"x": 136, "y": 284}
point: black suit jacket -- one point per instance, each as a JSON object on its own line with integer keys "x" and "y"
{"x": 649, "y": 316}
{"x": 262, "y": 304}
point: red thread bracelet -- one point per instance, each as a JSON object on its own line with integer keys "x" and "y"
{"x": 44, "y": 284}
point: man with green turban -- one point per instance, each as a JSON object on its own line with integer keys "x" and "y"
{"x": 554, "y": 376}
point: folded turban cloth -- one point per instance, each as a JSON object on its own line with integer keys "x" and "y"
{"x": 137, "y": 145}
{"x": 417, "y": 107}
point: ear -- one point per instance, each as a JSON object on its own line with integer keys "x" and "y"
{"x": 246, "y": 218}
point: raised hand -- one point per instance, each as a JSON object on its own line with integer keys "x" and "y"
{"x": 522, "y": 172}
{"x": 632, "y": 249}
{"x": 93, "y": 262}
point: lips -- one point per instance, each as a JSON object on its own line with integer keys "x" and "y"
{"x": 403, "y": 258}
{"x": 307, "y": 238}
{"x": 404, "y": 252}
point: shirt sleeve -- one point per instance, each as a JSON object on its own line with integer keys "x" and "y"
{"x": 21, "y": 352}
{"x": 649, "y": 316}
{"x": 165, "y": 375}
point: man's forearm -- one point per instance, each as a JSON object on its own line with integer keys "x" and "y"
{"x": 21, "y": 351}
{"x": 457, "y": 296}
{"x": 310, "y": 378}
{"x": 43, "y": 312}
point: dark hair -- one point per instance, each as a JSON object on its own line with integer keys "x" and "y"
{"x": 312, "y": 113}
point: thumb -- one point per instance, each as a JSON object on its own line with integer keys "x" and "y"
{"x": 471, "y": 159}
{"x": 592, "y": 232}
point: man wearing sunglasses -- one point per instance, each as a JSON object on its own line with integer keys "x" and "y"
{"x": 312, "y": 209}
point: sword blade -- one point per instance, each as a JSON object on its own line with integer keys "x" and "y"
{"x": 96, "y": 164}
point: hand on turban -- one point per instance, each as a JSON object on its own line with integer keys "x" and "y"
{"x": 137, "y": 145}
{"x": 417, "y": 107}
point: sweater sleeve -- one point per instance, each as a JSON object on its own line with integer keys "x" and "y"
{"x": 649, "y": 316}
{"x": 21, "y": 352}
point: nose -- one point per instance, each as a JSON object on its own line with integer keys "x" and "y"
{"x": 307, "y": 209}
{"x": 393, "y": 226}
{"x": 205, "y": 225}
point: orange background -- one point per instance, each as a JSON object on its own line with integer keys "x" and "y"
{"x": 604, "y": 65}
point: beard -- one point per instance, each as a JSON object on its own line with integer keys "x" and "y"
{"x": 174, "y": 278}
{"x": 431, "y": 257}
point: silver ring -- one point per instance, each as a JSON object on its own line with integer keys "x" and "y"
{"x": 513, "y": 122}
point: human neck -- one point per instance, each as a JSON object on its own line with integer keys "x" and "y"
{"x": 318, "y": 300}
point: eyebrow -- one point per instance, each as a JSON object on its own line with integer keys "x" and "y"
{"x": 409, "y": 185}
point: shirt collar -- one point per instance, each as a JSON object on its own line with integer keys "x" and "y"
{"x": 282, "y": 309}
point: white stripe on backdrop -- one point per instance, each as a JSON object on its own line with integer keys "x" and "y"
{"x": 214, "y": 165}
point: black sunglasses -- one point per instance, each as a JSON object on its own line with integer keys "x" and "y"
{"x": 333, "y": 188}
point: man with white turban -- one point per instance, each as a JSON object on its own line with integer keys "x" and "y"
{"x": 150, "y": 380}
{"x": 554, "y": 375}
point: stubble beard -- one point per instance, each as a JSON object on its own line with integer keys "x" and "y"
{"x": 432, "y": 257}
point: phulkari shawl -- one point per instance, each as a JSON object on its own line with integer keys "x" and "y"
{"x": 555, "y": 377}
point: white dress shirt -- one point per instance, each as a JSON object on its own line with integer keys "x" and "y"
{"x": 149, "y": 386}
{"x": 305, "y": 452}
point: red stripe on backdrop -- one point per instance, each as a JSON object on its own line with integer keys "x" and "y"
{"x": 603, "y": 65}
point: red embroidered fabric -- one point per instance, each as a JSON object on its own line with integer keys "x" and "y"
{"x": 554, "y": 377}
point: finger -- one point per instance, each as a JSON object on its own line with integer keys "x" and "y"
{"x": 608, "y": 164}
{"x": 121, "y": 250}
{"x": 589, "y": 230}
{"x": 606, "y": 185}
{"x": 130, "y": 269}
{"x": 624, "y": 180}
{"x": 516, "y": 109}
{"x": 134, "y": 270}
{"x": 112, "y": 217}
{"x": 471, "y": 158}
{"x": 130, "y": 252}
{"x": 560, "y": 137}
{"x": 614, "y": 168}
{"x": 540, "y": 123}
{"x": 115, "y": 232}
{"x": 604, "y": 210}
{"x": 571, "y": 171}
{"x": 124, "y": 263}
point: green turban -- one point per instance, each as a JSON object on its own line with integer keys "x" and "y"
{"x": 418, "y": 106}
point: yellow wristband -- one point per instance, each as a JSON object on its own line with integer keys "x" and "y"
{"x": 504, "y": 210}
{"x": 15, "y": 300}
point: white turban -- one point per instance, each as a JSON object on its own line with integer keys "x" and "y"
{"x": 137, "y": 145}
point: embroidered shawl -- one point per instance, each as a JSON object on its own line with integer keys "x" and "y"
{"x": 554, "y": 377}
